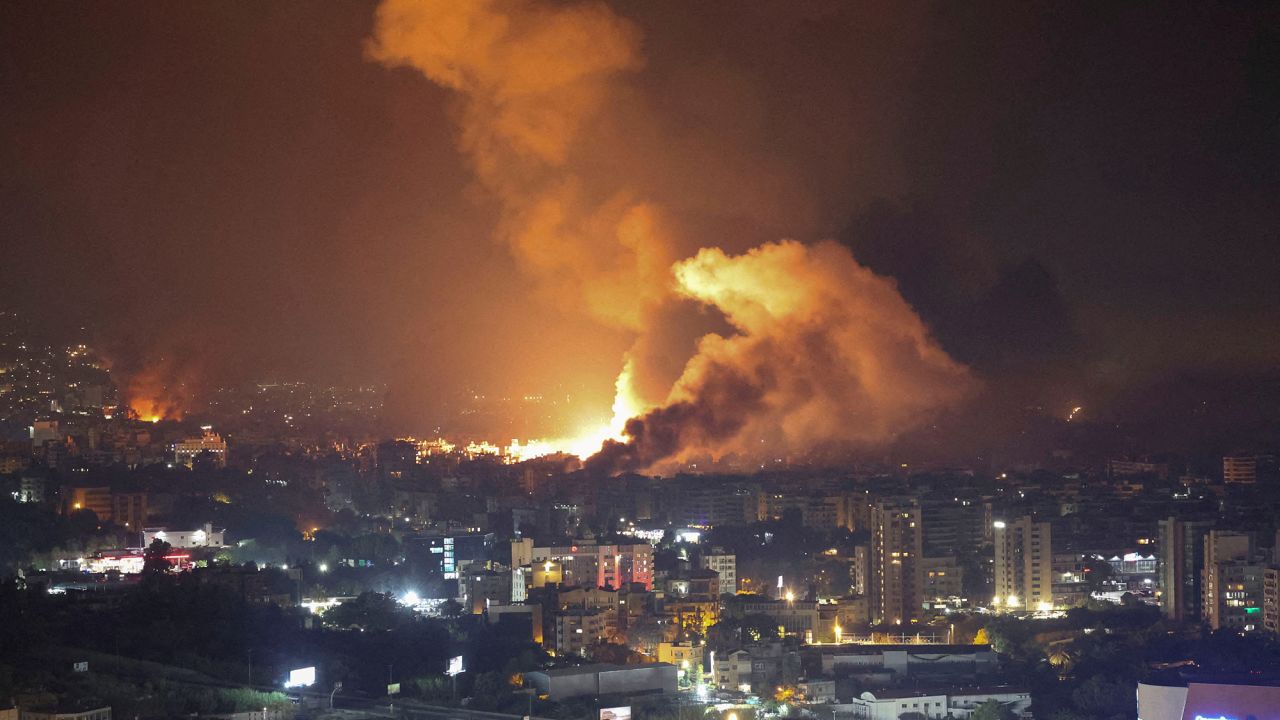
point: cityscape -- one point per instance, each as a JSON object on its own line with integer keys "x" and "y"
{"x": 586, "y": 360}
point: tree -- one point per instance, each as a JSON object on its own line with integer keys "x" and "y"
{"x": 1097, "y": 572}
{"x": 155, "y": 559}
{"x": 369, "y": 611}
{"x": 759, "y": 627}
{"x": 1102, "y": 697}
{"x": 993, "y": 710}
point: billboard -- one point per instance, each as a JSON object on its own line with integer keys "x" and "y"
{"x": 302, "y": 677}
{"x": 455, "y": 666}
{"x": 616, "y": 713}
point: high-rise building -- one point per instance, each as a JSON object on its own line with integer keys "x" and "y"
{"x": 953, "y": 525}
{"x": 710, "y": 505}
{"x": 1232, "y": 581}
{"x": 860, "y": 571}
{"x": 1181, "y": 564}
{"x": 1023, "y": 565}
{"x": 726, "y": 566}
{"x": 897, "y": 548}
{"x": 1240, "y": 469}
{"x": 943, "y": 578}
{"x": 1271, "y": 599}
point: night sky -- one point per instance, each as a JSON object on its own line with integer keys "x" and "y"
{"x": 1079, "y": 199}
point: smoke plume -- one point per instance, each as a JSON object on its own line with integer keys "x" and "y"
{"x": 162, "y": 388}
{"x": 826, "y": 352}
{"x": 822, "y": 350}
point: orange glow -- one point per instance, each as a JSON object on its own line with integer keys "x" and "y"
{"x": 152, "y": 400}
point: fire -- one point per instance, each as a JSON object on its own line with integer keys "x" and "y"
{"x": 154, "y": 409}
{"x": 583, "y": 444}
{"x": 590, "y": 439}
{"x": 821, "y": 352}
{"x": 162, "y": 389}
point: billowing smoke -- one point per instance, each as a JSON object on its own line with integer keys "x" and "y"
{"x": 530, "y": 77}
{"x": 826, "y": 353}
{"x": 162, "y": 388}
{"x": 823, "y": 351}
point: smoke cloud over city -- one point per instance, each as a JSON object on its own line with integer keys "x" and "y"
{"x": 475, "y": 209}
{"x": 822, "y": 350}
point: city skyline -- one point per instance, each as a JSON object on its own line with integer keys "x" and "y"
{"x": 622, "y": 360}
{"x": 1028, "y": 188}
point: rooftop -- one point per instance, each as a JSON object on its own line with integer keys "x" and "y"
{"x": 594, "y": 668}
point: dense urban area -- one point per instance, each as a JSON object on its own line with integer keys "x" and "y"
{"x": 265, "y": 555}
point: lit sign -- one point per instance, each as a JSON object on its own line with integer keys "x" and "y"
{"x": 302, "y": 677}
{"x": 455, "y": 666}
{"x": 1220, "y": 717}
{"x": 616, "y": 713}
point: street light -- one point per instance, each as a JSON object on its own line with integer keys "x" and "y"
{"x": 336, "y": 687}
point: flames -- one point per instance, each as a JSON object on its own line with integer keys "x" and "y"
{"x": 822, "y": 351}
{"x": 160, "y": 390}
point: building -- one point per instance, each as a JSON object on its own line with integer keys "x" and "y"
{"x": 124, "y": 509}
{"x": 517, "y": 614}
{"x": 1181, "y": 566}
{"x": 942, "y": 579}
{"x": 207, "y": 536}
{"x": 31, "y": 490}
{"x": 185, "y": 451}
{"x": 914, "y": 663}
{"x": 1070, "y": 581}
{"x": 579, "y": 629}
{"x": 732, "y": 671}
{"x": 799, "y": 618}
{"x": 1240, "y": 469}
{"x": 932, "y": 705}
{"x": 43, "y": 431}
{"x": 953, "y": 524}
{"x": 1232, "y": 581}
{"x": 704, "y": 505}
{"x": 897, "y": 547}
{"x": 726, "y": 565}
{"x": 860, "y": 570}
{"x": 686, "y": 656}
{"x": 602, "y": 679}
{"x": 1220, "y": 698}
{"x": 1117, "y": 468}
{"x": 1271, "y": 599}
{"x": 594, "y": 565}
{"x": 817, "y": 690}
{"x": 97, "y": 499}
{"x": 483, "y": 588}
{"x": 447, "y": 555}
{"x": 129, "y": 509}
{"x": 1023, "y": 565}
